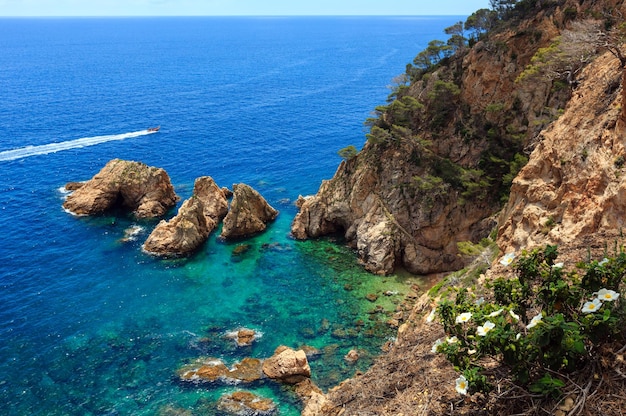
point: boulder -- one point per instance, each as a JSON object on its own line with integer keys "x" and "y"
{"x": 203, "y": 370}
{"x": 247, "y": 370}
{"x": 313, "y": 398}
{"x": 352, "y": 356}
{"x": 249, "y": 213}
{"x": 183, "y": 234}
{"x": 243, "y": 336}
{"x": 133, "y": 186}
{"x": 242, "y": 403}
{"x": 196, "y": 219}
{"x": 287, "y": 365}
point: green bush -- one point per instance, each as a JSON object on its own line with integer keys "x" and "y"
{"x": 347, "y": 152}
{"x": 540, "y": 326}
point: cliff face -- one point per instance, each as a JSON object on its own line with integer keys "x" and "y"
{"x": 388, "y": 220}
{"x": 430, "y": 174}
{"x": 574, "y": 185}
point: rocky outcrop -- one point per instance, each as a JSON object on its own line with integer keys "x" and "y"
{"x": 248, "y": 215}
{"x": 196, "y": 219}
{"x": 574, "y": 184}
{"x": 133, "y": 186}
{"x": 287, "y": 365}
{"x": 387, "y": 219}
{"x": 209, "y": 370}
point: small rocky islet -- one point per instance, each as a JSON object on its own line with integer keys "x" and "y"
{"x": 147, "y": 192}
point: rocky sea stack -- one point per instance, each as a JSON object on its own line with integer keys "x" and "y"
{"x": 249, "y": 213}
{"x": 196, "y": 219}
{"x": 132, "y": 186}
{"x": 148, "y": 193}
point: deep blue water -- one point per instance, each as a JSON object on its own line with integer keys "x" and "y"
{"x": 91, "y": 325}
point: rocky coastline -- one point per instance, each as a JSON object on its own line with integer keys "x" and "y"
{"x": 568, "y": 194}
{"x": 420, "y": 188}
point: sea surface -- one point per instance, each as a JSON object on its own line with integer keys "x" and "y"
{"x": 89, "y": 324}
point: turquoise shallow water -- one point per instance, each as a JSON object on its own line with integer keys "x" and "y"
{"x": 91, "y": 325}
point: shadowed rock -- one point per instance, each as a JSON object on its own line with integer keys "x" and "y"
{"x": 248, "y": 215}
{"x": 144, "y": 190}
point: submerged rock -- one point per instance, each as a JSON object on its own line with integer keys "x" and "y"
{"x": 190, "y": 228}
{"x": 208, "y": 370}
{"x": 245, "y": 403}
{"x": 248, "y": 215}
{"x": 131, "y": 233}
{"x": 203, "y": 370}
{"x": 352, "y": 356}
{"x": 287, "y": 365}
{"x": 143, "y": 190}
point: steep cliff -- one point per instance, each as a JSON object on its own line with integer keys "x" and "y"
{"x": 570, "y": 193}
{"x": 574, "y": 185}
{"x": 440, "y": 156}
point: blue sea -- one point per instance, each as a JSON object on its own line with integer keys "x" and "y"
{"x": 89, "y": 324}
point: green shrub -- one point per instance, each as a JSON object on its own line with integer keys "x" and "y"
{"x": 543, "y": 324}
{"x": 347, "y": 152}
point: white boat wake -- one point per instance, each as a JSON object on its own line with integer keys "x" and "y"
{"x": 44, "y": 149}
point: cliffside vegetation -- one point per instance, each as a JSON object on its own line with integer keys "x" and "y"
{"x": 427, "y": 105}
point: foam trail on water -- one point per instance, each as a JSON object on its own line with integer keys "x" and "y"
{"x": 44, "y": 149}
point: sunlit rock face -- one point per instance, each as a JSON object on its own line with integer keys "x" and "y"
{"x": 133, "y": 186}
{"x": 197, "y": 217}
{"x": 249, "y": 213}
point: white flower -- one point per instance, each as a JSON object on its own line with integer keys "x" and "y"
{"x": 557, "y": 265}
{"x": 461, "y": 385}
{"x": 436, "y": 345}
{"x": 603, "y": 262}
{"x": 592, "y": 306}
{"x": 482, "y": 330}
{"x": 464, "y": 317}
{"x": 514, "y": 315}
{"x": 452, "y": 340}
{"x": 536, "y": 319}
{"x": 518, "y": 336}
{"x": 496, "y": 313}
{"x": 471, "y": 352}
{"x": 431, "y": 315}
{"x": 507, "y": 259}
{"x": 607, "y": 295}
